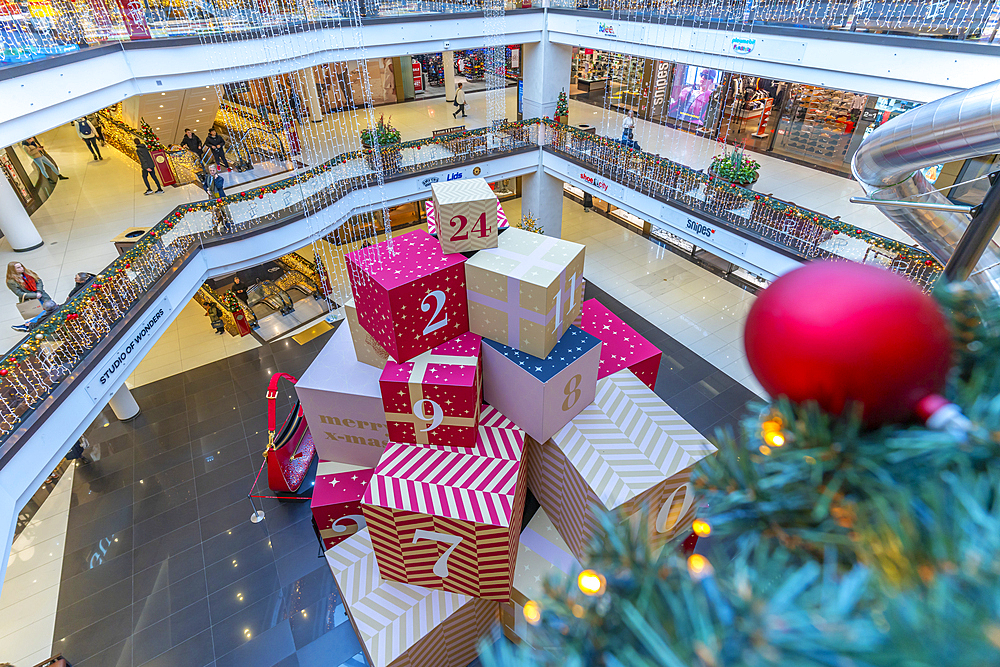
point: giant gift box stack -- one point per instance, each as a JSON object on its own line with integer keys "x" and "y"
{"x": 440, "y": 477}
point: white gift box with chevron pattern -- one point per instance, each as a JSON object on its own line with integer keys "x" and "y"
{"x": 466, "y": 212}
{"x": 542, "y": 553}
{"x": 366, "y": 348}
{"x": 402, "y": 625}
{"x": 450, "y": 517}
{"x": 628, "y": 449}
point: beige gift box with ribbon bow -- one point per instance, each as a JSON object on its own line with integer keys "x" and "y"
{"x": 525, "y": 292}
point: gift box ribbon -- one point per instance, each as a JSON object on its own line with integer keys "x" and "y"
{"x": 416, "y": 388}
{"x": 518, "y": 312}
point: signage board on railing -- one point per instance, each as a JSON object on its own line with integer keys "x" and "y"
{"x": 703, "y": 233}
{"x": 130, "y": 347}
{"x": 600, "y": 183}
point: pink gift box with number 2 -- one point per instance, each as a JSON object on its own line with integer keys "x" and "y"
{"x": 411, "y": 296}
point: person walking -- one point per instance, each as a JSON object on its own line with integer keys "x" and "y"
{"x": 192, "y": 142}
{"x": 218, "y": 146}
{"x": 215, "y": 317}
{"x": 89, "y": 136}
{"x": 42, "y": 161}
{"x": 25, "y": 283}
{"x": 460, "y": 102}
{"x": 76, "y": 451}
{"x": 148, "y": 167}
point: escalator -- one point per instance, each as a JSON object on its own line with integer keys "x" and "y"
{"x": 962, "y": 126}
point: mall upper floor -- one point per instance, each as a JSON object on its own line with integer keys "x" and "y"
{"x": 65, "y": 59}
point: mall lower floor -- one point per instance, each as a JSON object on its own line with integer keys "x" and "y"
{"x": 146, "y": 556}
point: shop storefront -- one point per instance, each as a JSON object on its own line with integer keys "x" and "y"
{"x": 819, "y": 127}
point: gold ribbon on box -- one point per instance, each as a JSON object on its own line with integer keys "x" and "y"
{"x": 415, "y": 387}
{"x": 512, "y": 306}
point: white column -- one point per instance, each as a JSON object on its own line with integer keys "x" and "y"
{"x": 306, "y": 81}
{"x": 546, "y": 71}
{"x": 542, "y": 196}
{"x": 123, "y": 404}
{"x": 448, "y": 64}
{"x": 15, "y": 224}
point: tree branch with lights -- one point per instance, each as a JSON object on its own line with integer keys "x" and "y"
{"x": 853, "y": 521}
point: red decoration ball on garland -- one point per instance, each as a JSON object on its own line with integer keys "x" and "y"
{"x": 838, "y": 332}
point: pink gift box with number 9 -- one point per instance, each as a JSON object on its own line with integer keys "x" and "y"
{"x": 408, "y": 294}
{"x": 435, "y": 397}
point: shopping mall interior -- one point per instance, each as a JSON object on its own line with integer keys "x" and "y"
{"x": 206, "y": 211}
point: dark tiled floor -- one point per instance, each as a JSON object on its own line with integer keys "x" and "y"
{"x": 163, "y": 567}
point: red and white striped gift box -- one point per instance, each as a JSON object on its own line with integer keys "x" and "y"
{"x": 450, "y": 517}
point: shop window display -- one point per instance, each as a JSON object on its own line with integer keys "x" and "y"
{"x": 818, "y": 124}
{"x": 695, "y": 92}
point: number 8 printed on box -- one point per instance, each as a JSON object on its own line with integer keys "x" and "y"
{"x": 409, "y": 295}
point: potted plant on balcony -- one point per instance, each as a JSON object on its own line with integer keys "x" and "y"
{"x": 388, "y": 139}
{"x": 736, "y": 168}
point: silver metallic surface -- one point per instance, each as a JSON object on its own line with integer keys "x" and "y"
{"x": 954, "y": 208}
{"x": 958, "y": 127}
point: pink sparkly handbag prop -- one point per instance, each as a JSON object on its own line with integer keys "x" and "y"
{"x": 290, "y": 453}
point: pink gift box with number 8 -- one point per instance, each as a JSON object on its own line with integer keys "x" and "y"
{"x": 408, "y": 294}
{"x": 435, "y": 397}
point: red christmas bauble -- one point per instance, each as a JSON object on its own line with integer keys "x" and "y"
{"x": 836, "y": 332}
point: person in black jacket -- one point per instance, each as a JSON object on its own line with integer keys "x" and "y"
{"x": 218, "y": 146}
{"x": 80, "y": 281}
{"x": 147, "y": 166}
{"x": 191, "y": 142}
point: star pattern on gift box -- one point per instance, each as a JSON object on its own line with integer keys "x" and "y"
{"x": 573, "y": 345}
{"x": 411, "y": 298}
{"x": 622, "y": 346}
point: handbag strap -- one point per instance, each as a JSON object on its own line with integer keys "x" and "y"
{"x": 272, "y": 394}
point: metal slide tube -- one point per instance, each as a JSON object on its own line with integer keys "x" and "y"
{"x": 958, "y": 127}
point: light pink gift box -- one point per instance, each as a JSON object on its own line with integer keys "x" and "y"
{"x": 542, "y": 395}
{"x": 343, "y": 405}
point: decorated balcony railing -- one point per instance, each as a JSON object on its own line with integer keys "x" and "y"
{"x": 956, "y": 19}
{"x": 29, "y": 32}
{"x": 809, "y": 234}
{"x": 50, "y": 353}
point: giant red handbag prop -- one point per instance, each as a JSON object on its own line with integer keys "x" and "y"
{"x": 292, "y": 450}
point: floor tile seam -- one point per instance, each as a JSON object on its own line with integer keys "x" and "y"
{"x": 164, "y": 620}
{"x": 204, "y": 562}
{"x": 229, "y": 616}
{"x": 47, "y": 563}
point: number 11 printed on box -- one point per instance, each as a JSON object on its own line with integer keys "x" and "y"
{"x": 412, "y": 298}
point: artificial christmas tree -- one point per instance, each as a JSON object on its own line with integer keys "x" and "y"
{"x": 825, "y": 541}
{"x": 562, "y": 109}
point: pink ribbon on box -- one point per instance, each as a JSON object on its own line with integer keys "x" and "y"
{"x": 416, "y": 390}
{"x": 518, "y": 313}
